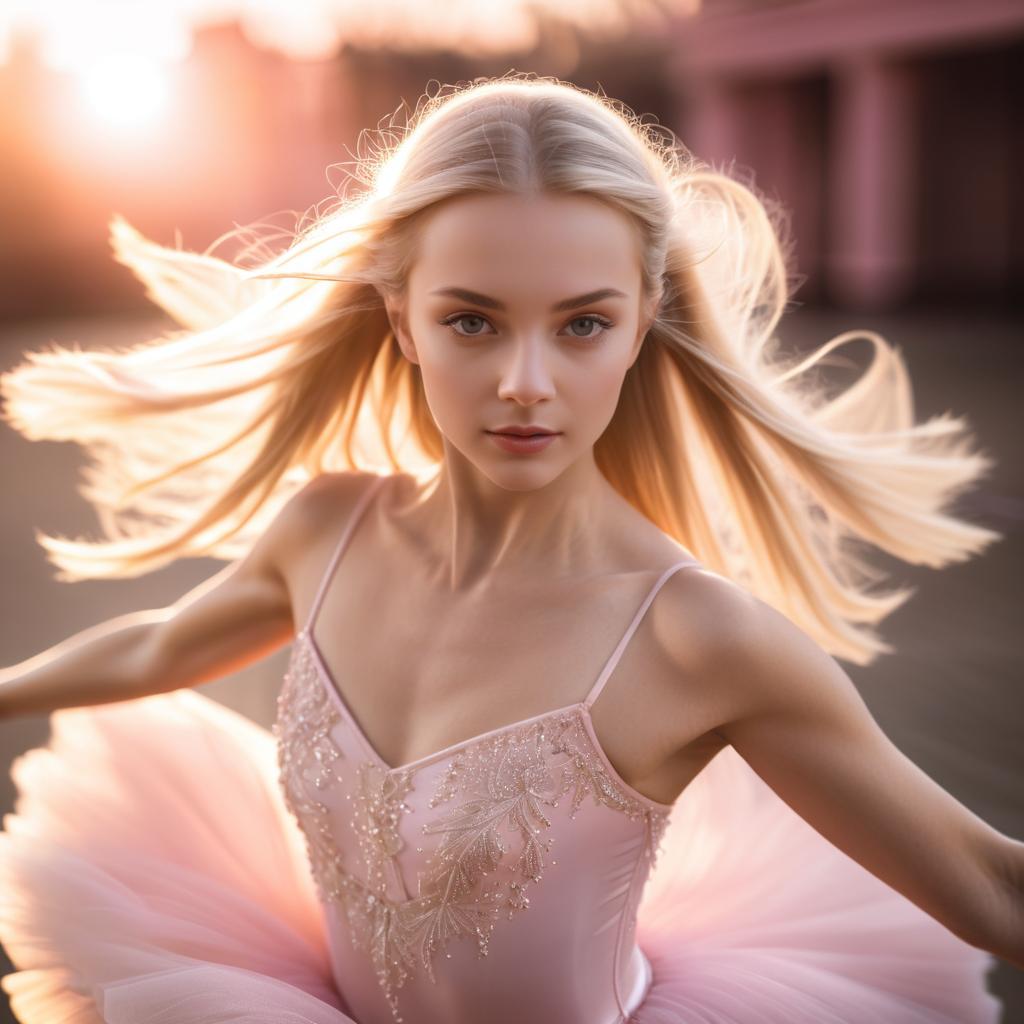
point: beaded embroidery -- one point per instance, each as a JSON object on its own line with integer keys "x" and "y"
{"x": 497, "y": 786}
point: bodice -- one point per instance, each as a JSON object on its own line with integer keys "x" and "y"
{"x": 521, "y": 846}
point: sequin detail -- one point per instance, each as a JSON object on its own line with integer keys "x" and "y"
{"x": 306, "y": 756}
{"x": 503, "y": 785}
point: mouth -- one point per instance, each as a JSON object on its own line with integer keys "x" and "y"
{"x": 524, "y": 433}
{"x": 523, "y": 442}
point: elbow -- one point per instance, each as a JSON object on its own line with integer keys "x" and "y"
{"x": 996, "y": 923}
{"x": 1009, "y": 937}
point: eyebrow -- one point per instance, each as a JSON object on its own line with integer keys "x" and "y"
{"x": 574, "y": 303}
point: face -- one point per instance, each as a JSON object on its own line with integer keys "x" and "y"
{"x": 523, "y": 311}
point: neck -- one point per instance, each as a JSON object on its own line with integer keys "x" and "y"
{"x": 485, "y": 531}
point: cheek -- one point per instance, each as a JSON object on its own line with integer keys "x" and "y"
{"x": 594, "y": 390}
{"x": 453, "y": 390}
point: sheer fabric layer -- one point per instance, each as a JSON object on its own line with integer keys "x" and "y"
{"x": 153, "y": 872}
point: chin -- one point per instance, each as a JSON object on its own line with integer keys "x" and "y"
{"x": 521, "y": 477}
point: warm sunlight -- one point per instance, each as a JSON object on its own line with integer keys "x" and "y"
{"x": 124, "y": 89}
{"x": 315, "y": 30}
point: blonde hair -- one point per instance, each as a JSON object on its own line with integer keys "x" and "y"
{"x": 289, "y": 369}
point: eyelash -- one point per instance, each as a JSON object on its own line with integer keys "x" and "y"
{"x": 604, "y": 322}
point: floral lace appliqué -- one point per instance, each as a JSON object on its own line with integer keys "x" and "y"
{"x": 504, "y": 785}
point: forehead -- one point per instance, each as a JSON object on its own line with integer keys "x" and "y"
{"x": 529, "y": 246}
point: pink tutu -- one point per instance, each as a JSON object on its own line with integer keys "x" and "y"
{"x": 151, "y": 872}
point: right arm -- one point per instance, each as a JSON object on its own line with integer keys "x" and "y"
{"x": 239, "y": 615}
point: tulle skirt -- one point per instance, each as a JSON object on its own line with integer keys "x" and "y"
{"x": 151, "y": 873}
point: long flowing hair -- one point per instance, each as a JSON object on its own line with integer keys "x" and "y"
{"x": 287, "y": 369}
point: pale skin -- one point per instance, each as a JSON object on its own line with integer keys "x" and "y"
{"x": 424, "y": 622}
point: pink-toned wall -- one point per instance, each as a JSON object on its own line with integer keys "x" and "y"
{"x": 892, "y": 131}
{"x": 889, "y": 130}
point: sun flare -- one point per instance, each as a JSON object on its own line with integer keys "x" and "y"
{"x": 124, "y": 89}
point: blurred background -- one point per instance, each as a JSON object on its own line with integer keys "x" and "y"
{"x": 891, "y": 130}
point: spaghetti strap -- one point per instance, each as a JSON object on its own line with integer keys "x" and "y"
{"x": 613, "y": 660}
{"x": 346, "y": 533}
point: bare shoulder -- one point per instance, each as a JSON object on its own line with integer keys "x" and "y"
{"x": 701, "y": 617}
{"x": 323, "y": 493}
{"x": 294, "y": 547}
{"x": 757, "y": 659}
{"x": 314, "y": 508}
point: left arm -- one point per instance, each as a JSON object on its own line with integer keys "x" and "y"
{"x": 800, "y": 723}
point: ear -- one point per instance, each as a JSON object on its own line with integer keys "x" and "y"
{"x": 399, "y": 327}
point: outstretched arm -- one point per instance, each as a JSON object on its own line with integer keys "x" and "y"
{"x": 800, "y": 723}
{"x": 238, "y": 616}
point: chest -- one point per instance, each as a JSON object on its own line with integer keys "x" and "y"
{"x": 419, "y": 671}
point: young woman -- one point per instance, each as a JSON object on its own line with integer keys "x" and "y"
{"x": 504, "y": 445}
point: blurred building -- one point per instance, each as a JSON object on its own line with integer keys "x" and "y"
{"x": 891, "y": 132}
{"x": 891, "y": 129}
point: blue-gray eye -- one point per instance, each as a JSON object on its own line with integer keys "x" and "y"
{"x": 475, "y": 319}
{"x": 599, "y": 320}
{"x": 451, "y": 320}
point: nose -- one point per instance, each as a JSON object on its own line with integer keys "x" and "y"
{"x": 525, "y": 375}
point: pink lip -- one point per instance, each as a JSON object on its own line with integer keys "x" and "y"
{"x": 519, "y": 444}
{"x": 523, "y": 431}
